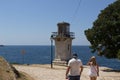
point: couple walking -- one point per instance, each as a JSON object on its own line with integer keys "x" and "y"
{"x": 75, "y": 68}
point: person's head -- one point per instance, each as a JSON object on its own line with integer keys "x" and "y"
{"x": 75, "y": 55}
{"x": 93, "y": 60}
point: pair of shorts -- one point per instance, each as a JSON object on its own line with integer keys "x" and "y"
{"x": 74, "y": 77}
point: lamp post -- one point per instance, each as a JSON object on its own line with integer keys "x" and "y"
{"x": 51, "y": 50}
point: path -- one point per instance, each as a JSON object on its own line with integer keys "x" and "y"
{"x": 44, "y": 72}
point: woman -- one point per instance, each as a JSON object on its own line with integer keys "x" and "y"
{"x": 94, "y": 68}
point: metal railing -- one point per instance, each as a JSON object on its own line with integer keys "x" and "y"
{"x": 69, "y": 35}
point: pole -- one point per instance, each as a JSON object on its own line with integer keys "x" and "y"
{"x": 23, "y": 52}
{"x": 51, "y": 52}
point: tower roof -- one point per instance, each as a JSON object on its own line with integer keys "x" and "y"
{"x": 63, "y": 24}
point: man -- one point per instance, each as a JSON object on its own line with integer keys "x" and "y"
{"x": 75, "y": 68}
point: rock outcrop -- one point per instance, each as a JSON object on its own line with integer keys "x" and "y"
{"x": 7, "y": 71}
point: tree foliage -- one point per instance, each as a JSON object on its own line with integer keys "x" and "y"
{"x": 104, "y": 36}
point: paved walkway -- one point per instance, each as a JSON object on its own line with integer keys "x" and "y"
{"x": 44, "y": 72}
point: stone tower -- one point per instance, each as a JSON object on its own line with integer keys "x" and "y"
{"x": 63, "y": 42}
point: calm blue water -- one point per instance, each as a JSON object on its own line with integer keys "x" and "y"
{"x": 42, "y": 55}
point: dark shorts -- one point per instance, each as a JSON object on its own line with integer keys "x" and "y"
{"x": 74, "y": 77}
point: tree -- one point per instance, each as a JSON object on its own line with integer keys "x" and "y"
{"x": 104, "y": 36}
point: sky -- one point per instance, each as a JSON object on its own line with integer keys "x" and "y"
{"x": 31, "y": 22}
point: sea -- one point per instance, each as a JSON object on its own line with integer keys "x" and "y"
{"x": 43, "y": 54}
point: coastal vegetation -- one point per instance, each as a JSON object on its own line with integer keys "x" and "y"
{"x": 104, "y": 35}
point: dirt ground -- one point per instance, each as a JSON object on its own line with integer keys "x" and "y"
{"x": 44, "y": 72}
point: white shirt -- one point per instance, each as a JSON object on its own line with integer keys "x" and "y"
{"x": 74, "y": 65}
{"x": 93, "y": 71}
